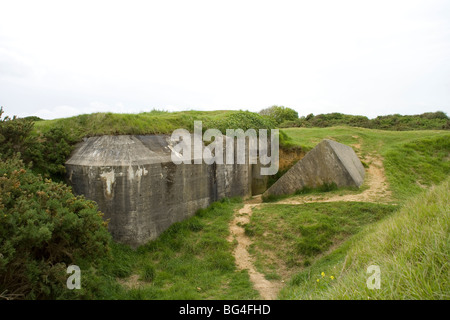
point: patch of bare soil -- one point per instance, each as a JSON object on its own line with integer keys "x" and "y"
{"x": 132, "y": 282}
{"x": 268, "y": 290}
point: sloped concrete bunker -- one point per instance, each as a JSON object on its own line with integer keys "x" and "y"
{"x": 329, "y": 162}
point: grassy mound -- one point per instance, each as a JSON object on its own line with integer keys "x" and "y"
{"x": 154, "y": 122}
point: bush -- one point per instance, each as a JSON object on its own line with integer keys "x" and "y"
{"x": 434, "y": 115}
{"x": 49, "y": 156}
{"x": 43, "y": 229}
{"x": 425, "y": 121}
{"x": 15, "y": 135}
{"x": 46, "y": 153}
{"x": 280, "y": 114}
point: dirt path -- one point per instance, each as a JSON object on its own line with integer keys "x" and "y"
{"x": 376, "y": 191}
{"x": 268, "y": 290}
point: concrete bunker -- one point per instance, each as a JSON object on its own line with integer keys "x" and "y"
{"x": 329, "y": 162}
{"x": 142, "y": 192}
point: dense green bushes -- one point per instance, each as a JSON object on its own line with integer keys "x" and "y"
{"x": 15, "y": 135}
{"x": 279, "y": 114}
{"x": 43, "y": 229}
{"x": 426, "y": 121}
{"x": 46, "y": 153}
{"x": 43, "y": 226}
{"x": 50, "y": 152}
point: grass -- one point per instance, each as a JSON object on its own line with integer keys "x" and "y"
{"x": 412, "y": 166}
{"x": 190, "y": 260}
{"x": 411, "y": 247}
{"x": 154, "y": 122}
{"x": 370, "y": 139}
{"x": 288, "y": 237}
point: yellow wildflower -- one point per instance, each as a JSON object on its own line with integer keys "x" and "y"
{"x": 318, "y": 280}
{"x": 323, "y": 274}
{"x": 331, "y": 277}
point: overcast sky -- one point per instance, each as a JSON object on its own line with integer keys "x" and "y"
{"x": 61, "y": 58}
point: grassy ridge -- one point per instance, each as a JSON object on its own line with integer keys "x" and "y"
{"x": 411, "y": 247}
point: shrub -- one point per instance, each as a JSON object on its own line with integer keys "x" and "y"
{"x": 14, "y": 135}
{"x": 426, "y": 121}
{"x": 43, "y": 229}
{"x": 280, "y": 114}
{"x": 49, "y": 156}
{"x": 46, "y": 153}
{"x": 434, "y": 115}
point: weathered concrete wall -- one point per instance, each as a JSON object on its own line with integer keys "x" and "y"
{"x": 141, "y": 191}
{"x": 328, "y": 162}
{"x": 259, "y": 182}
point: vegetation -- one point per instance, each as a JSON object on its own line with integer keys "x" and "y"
{"x": 190, "y": 260}
{"x": 279, "y": 114}
{"x": 153, "y": 122}
{"x": 15, "y": 135}
{"x": 45, "y": 153}
{"x": 411, "y": 248}
{"x": 308, "y": 231}
{"x": 425, "y": 121}
{"x": 43, "y": 229}
{"x": 412, "y": 166}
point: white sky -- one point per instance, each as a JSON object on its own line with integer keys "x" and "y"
{"x": 61, "y": 58}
